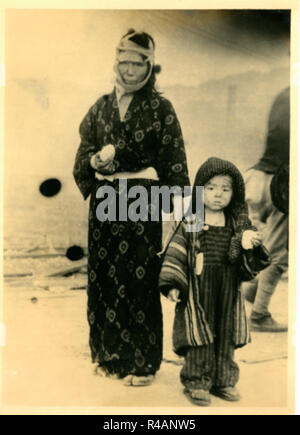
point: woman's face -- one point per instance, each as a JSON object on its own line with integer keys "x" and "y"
{"x": 218, "y": 192}
{"x": 132, "y": 67}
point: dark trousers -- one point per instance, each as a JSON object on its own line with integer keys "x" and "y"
{"x": 213, "y": 365}
{"x": 209, "y": 366}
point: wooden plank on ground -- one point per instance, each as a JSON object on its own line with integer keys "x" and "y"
{"x": 78, "y": 265}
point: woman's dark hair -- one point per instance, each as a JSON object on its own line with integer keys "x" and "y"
{"x": 143, "y": 39}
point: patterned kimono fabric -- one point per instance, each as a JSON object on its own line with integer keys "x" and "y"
{"x": 124, "y": 308}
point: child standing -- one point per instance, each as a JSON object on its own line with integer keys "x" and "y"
{"x": 200, "y": 273}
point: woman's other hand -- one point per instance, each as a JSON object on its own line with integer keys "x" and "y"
{"x": 173, "y": 295}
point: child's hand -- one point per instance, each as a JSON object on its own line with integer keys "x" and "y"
{"x": 173, "y": 295}
{"x": 251, "y": 239}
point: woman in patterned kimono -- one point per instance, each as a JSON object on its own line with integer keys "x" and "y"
{"x": 124, "y": 308}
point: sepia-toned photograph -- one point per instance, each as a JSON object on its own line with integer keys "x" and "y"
{"x": 148, "y": 248}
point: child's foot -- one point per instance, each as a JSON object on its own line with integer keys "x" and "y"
{"x": 198, "y": 397}
{"x": 138, "y": 381}
{"x": 226, "y": 393}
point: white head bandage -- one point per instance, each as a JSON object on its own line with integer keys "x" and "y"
{"x": 127, "y": 45}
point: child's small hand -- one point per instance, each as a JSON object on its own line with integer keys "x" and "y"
{"x": 251, "y": 239}
{"x": 257, "y": 240}
{"x": 173, "y": 295}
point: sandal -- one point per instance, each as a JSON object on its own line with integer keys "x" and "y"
{"x": 104, "y": 373}
{"x": 198, "y": 397}
{"x": 138, "y": 381}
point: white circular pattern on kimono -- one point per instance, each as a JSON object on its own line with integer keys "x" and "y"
{"x": 107, "y": 128}
{"x": 114, "y": 229}
{"x": 170, "y": 119}
{"x": 121, "y": 291}
{"x": 177, "y": 168}
{"x": 123, "y": 247}
{"x": 96, "y": 234}
{"x": 121, "y": 144}
{"x": 140, "y": 229}
{"x": 111, "y": 315}
{"x": 139, "y": 135}
{"x": 93, "y": 276}
{"x": 140, "y": 361}
{"x": 140, "y": 317}
{"x": 125, "y": 335}
{"x": 157, "y": 126}
{"x": 140, "y": 272}
{"x": 102, "y": 253}
{"x": 155, "y": 103}
{"x": 167, "y": 139}
{"x": 112, "y": 271}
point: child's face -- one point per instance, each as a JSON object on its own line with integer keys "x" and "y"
{"x": 218, "y": 192}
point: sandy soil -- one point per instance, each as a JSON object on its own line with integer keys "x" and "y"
{"x": 46, "y": 363}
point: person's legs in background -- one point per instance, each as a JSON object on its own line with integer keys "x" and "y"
{"x": 275, "y": 240}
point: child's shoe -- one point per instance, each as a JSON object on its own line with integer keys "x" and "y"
{"x": 198, "y": 397}
{"x": 226, "y": 393}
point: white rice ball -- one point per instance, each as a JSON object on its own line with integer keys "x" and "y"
{"x": 107, "y": 153}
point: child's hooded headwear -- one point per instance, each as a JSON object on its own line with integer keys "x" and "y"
{"x": 215, "y": 166}
{"x": 237, "y": 208}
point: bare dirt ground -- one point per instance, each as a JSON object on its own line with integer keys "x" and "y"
{"x": 46, "y": 362}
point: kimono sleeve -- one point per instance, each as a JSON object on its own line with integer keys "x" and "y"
{"x": 172, "y": 163}
{"x": 174, "y": 271}
{"x": 83, "y": 173}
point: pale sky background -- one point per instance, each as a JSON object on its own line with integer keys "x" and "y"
{"x": 191, "y": 45}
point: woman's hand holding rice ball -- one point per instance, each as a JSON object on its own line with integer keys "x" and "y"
{"x": 102, "y": 161}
